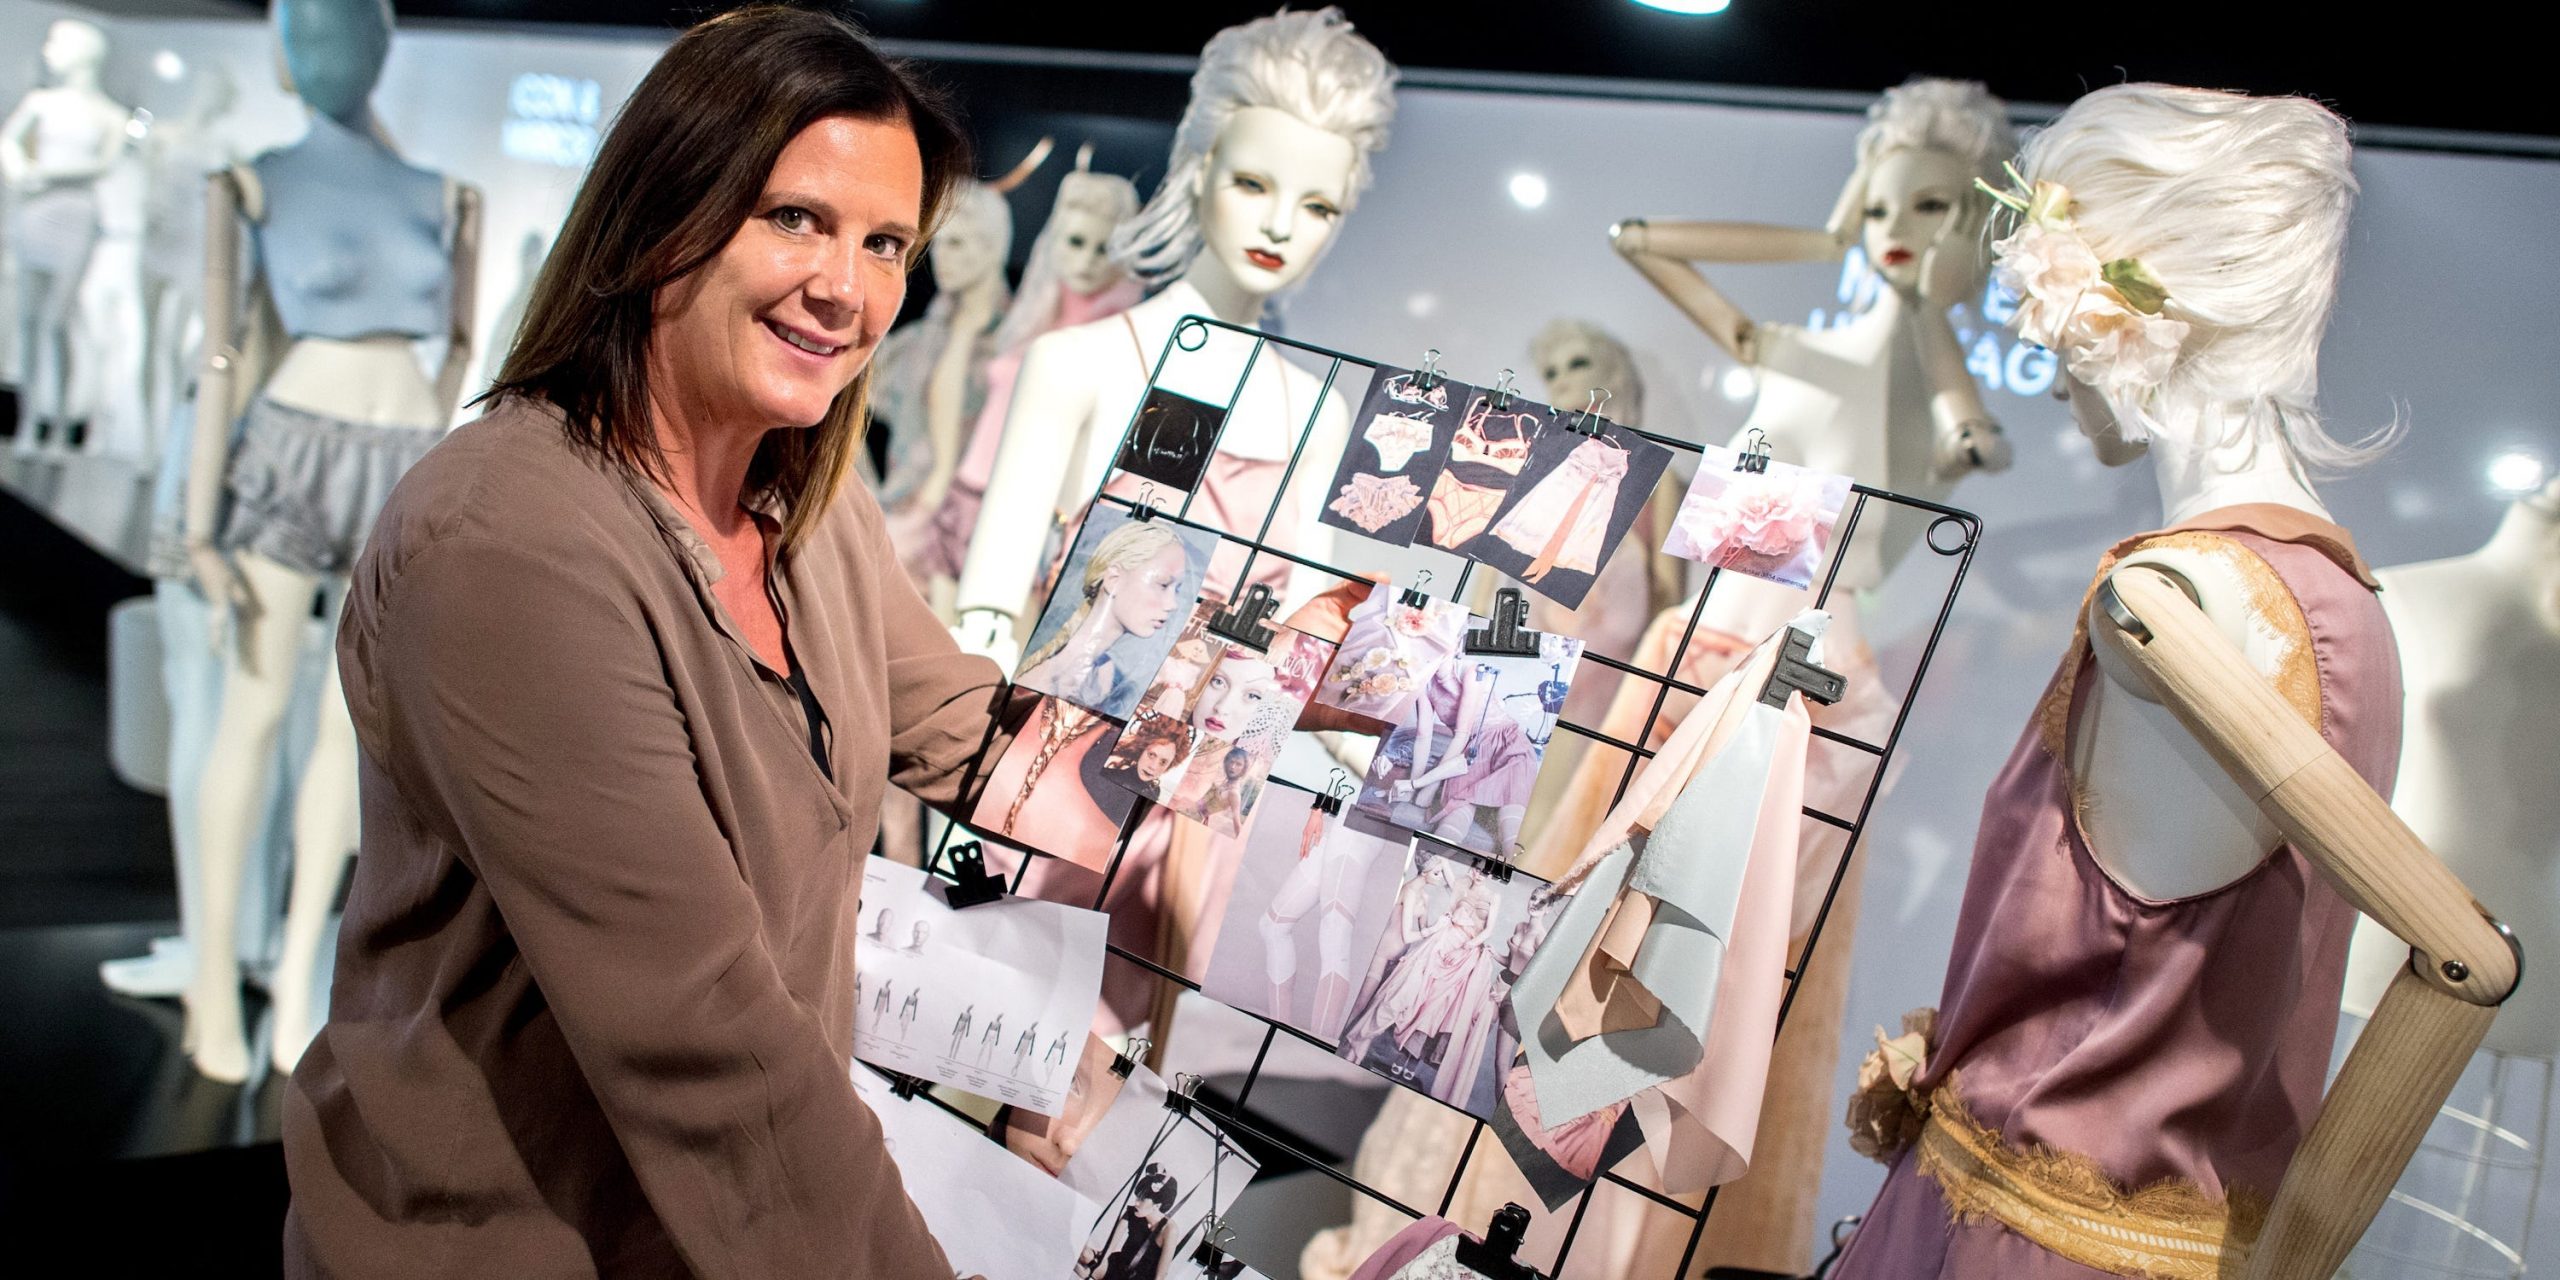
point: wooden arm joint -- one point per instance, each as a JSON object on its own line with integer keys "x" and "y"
{"x": 2454, "y": 978}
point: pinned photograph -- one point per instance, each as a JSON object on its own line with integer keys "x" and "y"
{"x": 1571, "y": 506}
{"x": 1400, "y": 442}
{"x": 1230, "y": 709}
{"x": 1486, "y": 453}
{"x": 986, "y": 999}
{"x": 1159, "y": 1176}
{"x": 961, "y": 1182}
{"x": 1172, "y": 439}
{"x": 1775, "y": 524}
{"x": 1461, "y": 763}
{"x": 1429, "y": 1013}
{"x": 1126, "y": 584}
{"x": 1390, "y": 651}
{"x": 1051, "y": 789}
{"x": 1312, "y": 895}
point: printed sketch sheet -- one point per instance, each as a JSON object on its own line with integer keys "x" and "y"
{"x": 963, "y": 1183}
{"x": 996, "y": 999}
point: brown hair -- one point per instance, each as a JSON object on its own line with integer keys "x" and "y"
{"x": 676, "y": 176}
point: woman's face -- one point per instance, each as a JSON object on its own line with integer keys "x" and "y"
{"x": 1143, "y": 595}
{"x": 1273, "y": 193}
{"x": 1155, "y": 761}
{"x": 1238, "y": 688}
{"x": 1236, "y": 764}
{"x": 1077, "y": 238}
{"x": 774, "y": 326}
{"x": 1913, "y": 195}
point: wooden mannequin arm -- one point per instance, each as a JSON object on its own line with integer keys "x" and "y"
{"x": 1662, "y": 252}
{"x": 2462, "y": 963}
{"x": 466, "y": 293}
{"x": 225, "y": 362}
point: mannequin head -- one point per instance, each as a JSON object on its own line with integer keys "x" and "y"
{"x": 333, "y": 53}
{"x": 74, "y": 50}
{"x": 1271, "y": 152}
{"x": 1924, "y": 144}
{"x": 973, "y": 241}
{"x": 1071, "y": 255}
{"x": 1576, "y": 356}
{"x": 2238, "y": 207}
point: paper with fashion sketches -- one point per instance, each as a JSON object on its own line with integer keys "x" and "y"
{"x": 1400, "y": 440}
{"x": 1156, "y": 1177}
{"x": 1311, "y": 895}
{"x": 1213, "y": 721}
{"x": 1461, "y": 762}
{"x": 961, "y": 1182}
{"x": 1390, "y": 651}
{"x": 1776, "y": 525}
{"x": 1575, "y": 500}
{"x": 1126, "y": 585}
{"x": 974, "y": 998}
{"x": 1429, "y": 1012}
{"x": 1659, "y": 984}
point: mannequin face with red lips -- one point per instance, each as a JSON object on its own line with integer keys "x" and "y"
{"x": 1271, "y": 198}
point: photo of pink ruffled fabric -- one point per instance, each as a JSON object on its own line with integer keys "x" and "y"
{"x": 1774, "y": 525}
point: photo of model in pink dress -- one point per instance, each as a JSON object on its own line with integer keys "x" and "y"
{"x": 1461, "y": 763}
{"x": 1428, "y": 1015}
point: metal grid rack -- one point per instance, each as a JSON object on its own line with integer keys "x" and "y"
{"x": 1951, "y": 533}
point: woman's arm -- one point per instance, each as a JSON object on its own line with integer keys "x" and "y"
{"x": 526, "y": 718}
{"x": 1471, "y": 712}
{"x": 949, "y": 710}
{"x": 1663, "y": 252}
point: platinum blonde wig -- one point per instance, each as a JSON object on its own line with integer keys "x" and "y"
{"x": 2238, "y": 206}
{"x": 1311, "y": 65}
{"x": 1959, "y": 117}
{"x": 1035, "y": 306}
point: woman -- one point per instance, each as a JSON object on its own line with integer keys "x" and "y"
{"x": 1486, "y": 760}
{"x": 593, "y": 1002}
{"x": 1147, "y": 751}
{"x": 1132, "y": 584}
{"x": 1432, "y": 1006}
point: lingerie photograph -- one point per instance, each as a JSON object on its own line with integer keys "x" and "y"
{"x": 1572, "y": 504}
{"x": 1125, "y": 585}
{"x": 1399, "y": 443}
{"x": 1050, "y": 791}
{"x": 1390, "y": 651}
{"x": 1234, "y": 707}
{"x": 1775, "y": 524}
{"x": 1486, "y": 454}
{"x": 1312, "y": 894}
{"x": 1461, "y": 763}
{"x": 1429, "y": 1012}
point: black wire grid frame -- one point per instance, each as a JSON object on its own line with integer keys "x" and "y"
{"x": 1951, "y": 533}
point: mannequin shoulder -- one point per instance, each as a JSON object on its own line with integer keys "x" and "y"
{"x": 2233, "y": 587}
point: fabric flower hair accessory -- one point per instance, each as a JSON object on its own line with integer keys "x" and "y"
{"x": 1886, "y": 1113}
{"x": 2106, "y": 319}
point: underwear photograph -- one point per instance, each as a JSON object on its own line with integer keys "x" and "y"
{"x": 1486, "y": 454}
{"x": 1399, "y": 443}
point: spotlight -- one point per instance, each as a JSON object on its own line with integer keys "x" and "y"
{"x": 1738, "y": 383}
{"x": 2516, "y": 473}
{"x": 167, "y": 65}
{"x": 1528, "y": 190}
{"x": 1687, "y": 8}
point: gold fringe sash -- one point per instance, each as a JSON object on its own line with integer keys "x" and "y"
{"x": 2066, "y": 1205}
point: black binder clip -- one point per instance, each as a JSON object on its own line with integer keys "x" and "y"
{"x": 1428, "y": 376}
{"x": 1337, "y": 789}
{"x": 1500, "y": 396}
{"x": 1589, "y": 422}
{"x": 1126, "y": 1061}
{"x": 1243, "y": 623}
{"x": 1754, "y": 454}
{"x": 1144, "y": 509}
{"x": 1179, "y": 1098}
{"x": 1413, "y": 597}
{"x": 1797, "y": 672}
{"x": 971, "y": 883}
{"x": 904, "y": 1086}
{"x": 1507, "y": 631}
{"x": 1494, "y": 1256}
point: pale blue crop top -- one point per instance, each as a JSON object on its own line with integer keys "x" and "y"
{"x": 352, "y": 243}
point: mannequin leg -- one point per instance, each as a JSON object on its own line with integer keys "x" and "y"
{"x": 325, "y": 823}
{"x": 191, "y": 682}
{"x": 257, "y": 687}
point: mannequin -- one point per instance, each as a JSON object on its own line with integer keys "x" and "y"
{"x": 1271, "y": 153}
{"x": 358, "y": 255}
{"x": 107, "y": 361}
{"x": 179, "y": 151}
{"x": 53, "y": 149}
{"x": 927, "y": 376}
{"x": 1070, "y": 280}
{"x": 2479, "y": 639}
{"x": 2168, "y": 865}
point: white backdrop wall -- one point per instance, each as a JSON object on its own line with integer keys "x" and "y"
{"x": 2444, "y": 318}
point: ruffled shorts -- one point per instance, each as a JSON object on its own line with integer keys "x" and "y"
{"x": 305, "y": 488}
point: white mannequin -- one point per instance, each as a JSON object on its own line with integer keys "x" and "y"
{"x": 2480, "y": 671}
{"x": 53, "y": 148}
{"x": 373, "y": 381}
{"x": 1254, "y": 195}
{"x": 967, "y": 260}
{"x": 107, "y": 364}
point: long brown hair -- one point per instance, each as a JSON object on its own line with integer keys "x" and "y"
{"x": 677, "y": 175}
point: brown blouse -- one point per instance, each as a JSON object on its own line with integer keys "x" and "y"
{"x": 593, "y": 1008}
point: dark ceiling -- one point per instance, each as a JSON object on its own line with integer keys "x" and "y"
{"x": 2461, "y": 67}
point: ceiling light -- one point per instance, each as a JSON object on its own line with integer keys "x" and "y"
{"x": 2516, "y": 473}
{"x": 1687, "y": 8}
{"x": 1737, "y": 383}
{"x": 167, "y": 65}
{"x": 1528, "y": 190}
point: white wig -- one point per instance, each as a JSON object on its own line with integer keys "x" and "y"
{"x": 1035, "y": 306}
{"x": 1311, "y": 65}
{"x": 1959, "y": 117}
{"x": 2238, "y": 206}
